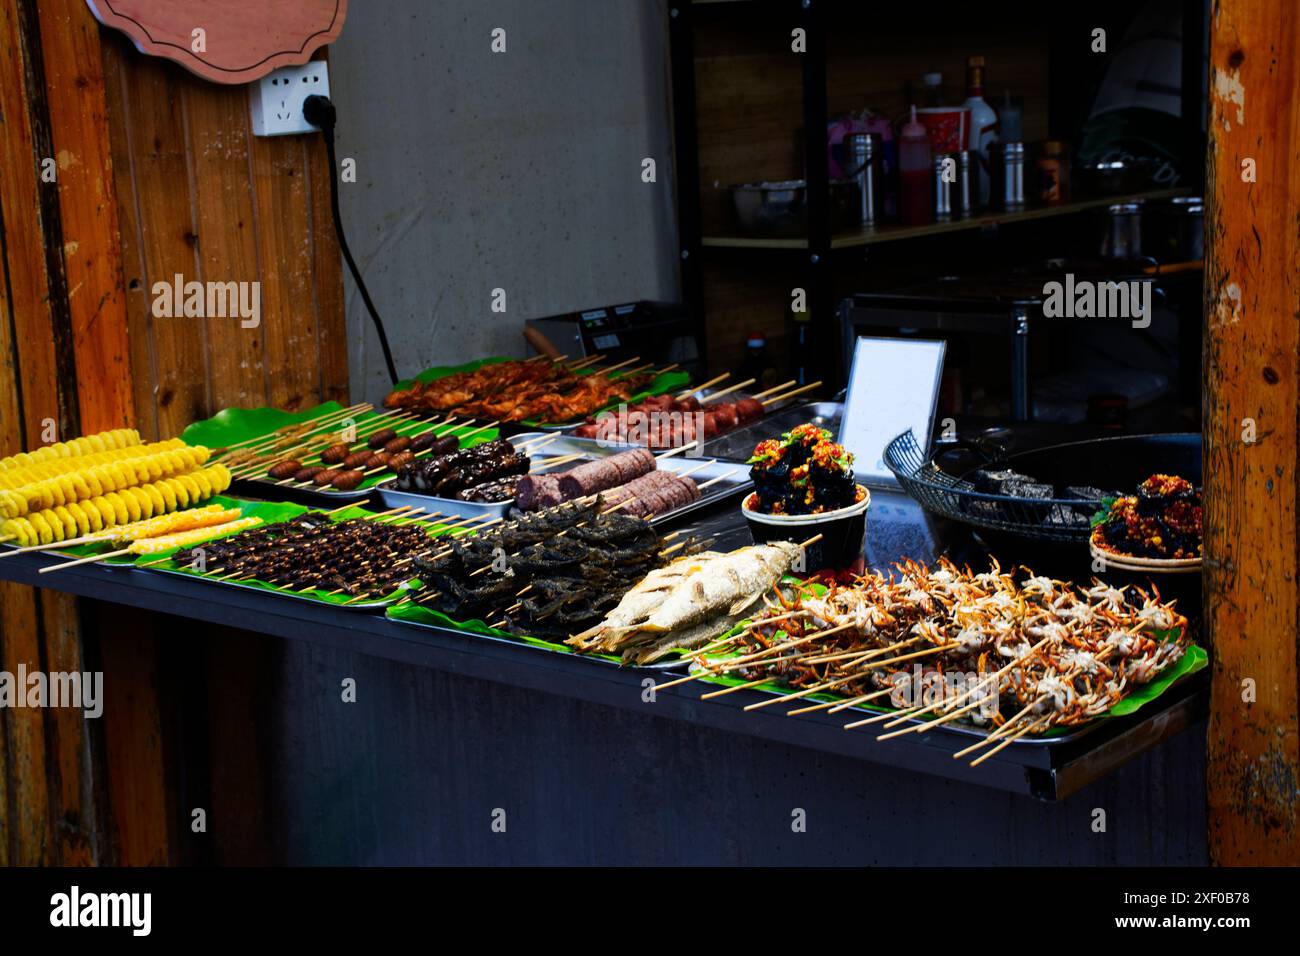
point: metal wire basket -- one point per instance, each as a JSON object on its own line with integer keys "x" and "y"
{"x": 1039, "y": 519}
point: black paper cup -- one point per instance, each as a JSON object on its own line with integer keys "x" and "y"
{"x": 843, "y": 533}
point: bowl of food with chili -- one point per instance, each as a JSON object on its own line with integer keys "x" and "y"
{"x": 804, "y": 488}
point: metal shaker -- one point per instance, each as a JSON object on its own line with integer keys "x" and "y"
{"x": 966, "y": 184}
{"x": 1007, "y": 173}
{"x": 944, "y": 176}
{"x": 862, "y": 159}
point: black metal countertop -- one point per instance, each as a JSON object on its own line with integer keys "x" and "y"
{"x": 897, "y": 528}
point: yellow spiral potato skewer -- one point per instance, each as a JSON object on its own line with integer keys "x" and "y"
{"x": 116, "y": 508}
{"x": 38, "y": 471}
{"x": 117, "y": 438}
{"x": 98, "y": 480}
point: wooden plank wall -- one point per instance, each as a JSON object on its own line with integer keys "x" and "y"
{"x": 157, "y": 174}
{"x": 201, "y": 196}
{"x": 1252, "y": 371}
{"x": 44, "y": 755}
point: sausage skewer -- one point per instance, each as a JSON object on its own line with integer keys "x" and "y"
{"x": 282, "y": 432}
{"x": 324, "y": 447}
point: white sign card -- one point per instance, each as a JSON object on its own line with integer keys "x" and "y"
{"x": 893, "y": 386}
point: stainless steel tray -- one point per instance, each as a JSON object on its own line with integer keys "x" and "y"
{"x": 952, "y": 729}
{"x": 734, "y": 485}
{"x": 772, "y": 423}
{"x": 738, "y": 444}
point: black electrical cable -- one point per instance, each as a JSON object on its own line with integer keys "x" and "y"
{"x": 319, "y": 111}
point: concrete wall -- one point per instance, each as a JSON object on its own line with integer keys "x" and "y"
{"x": 518, "y": 170}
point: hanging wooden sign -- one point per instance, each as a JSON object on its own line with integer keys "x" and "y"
{"x": 235, "y": 41}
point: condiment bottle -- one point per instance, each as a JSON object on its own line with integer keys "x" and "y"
{"x": 914, "y": 174}
{"x": 932, "y": 90}
{"x": 757, "y": 365}
{"x": 983, "y": 122}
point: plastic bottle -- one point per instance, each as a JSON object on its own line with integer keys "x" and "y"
{"x": 914, "y": 174}
{"x": 757, "y": 365}
{"x": 983, "y": 122}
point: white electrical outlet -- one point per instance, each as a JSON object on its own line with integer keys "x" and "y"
{"x": 276, "y": 99}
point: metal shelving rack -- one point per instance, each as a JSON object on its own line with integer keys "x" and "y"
{"x": 822, "y": 251}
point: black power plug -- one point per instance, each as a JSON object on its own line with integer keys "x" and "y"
{"x": 319, "y": 112}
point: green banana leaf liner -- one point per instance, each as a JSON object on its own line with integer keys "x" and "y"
{"x": 1193, "y": 660}
{"x": 234, "y": 425}
{"x": 665, "y": 382}
{"x": 414, "y": 613}
{"x": 271, "y": 512}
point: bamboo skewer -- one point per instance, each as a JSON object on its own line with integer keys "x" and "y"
{"x": 744, "y": 659}
{"x": 53, "y": 545}
{"x": 611, "y": 368}
{"x": 922, "y": 728}
{"x": 999, "y": 732}
{"x": 1037, "y": 724}
{"x": 699, "y": 388}
{"x": 798, "y": 391}
{"x": 704, "y": 464}
{"x": 313, "y": 459}
{"x": 833, "y": 706}
{"x": 857, "y": 655}
{"x": 982, "y": 682}
{"x": 775, "y": 388}
{"x": 559, "y": 460}
{"x": 726, "y": 391}
{"x": 313, "y": 449}
{"x": 732, "y": 664}
{"x": 879, "y": 717}
{"x": 678, "y": 450}
{"x": 541, "y": 441}
{"x": 88, "y": 560}
{"x": 259, "y": 439}
{"x": 795, "y": 695}
{"x": 276, "y": 446}
{"x": 722, "y": 477}
{"x": 748, "y": 684}
{"x": 374, "y": 471}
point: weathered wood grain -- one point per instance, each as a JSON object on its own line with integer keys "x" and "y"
{"x": 1252, "y": 375}
{"x": 221, "y": 191}
{"x": 74, "y": 86}
{"x": 158, "y": 236}
{"x": 284, "y": 240}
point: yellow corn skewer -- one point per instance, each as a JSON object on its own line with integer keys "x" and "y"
{"x": 116, "y": 509}
{"x": 89, "y": 444}
{"x": 173, "y": 523}
{"x": 97, "y": 480}
{"x": 170, "y": 523}
{"x": 182, "y": 539}
{"x": 39, "y": 471}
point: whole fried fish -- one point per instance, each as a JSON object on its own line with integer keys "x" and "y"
{"x": 689, "y": 591}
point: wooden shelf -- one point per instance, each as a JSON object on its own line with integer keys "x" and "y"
{"x": 865, "y": 236}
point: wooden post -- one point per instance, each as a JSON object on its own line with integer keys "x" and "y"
{"x": 1252, "y": 374}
